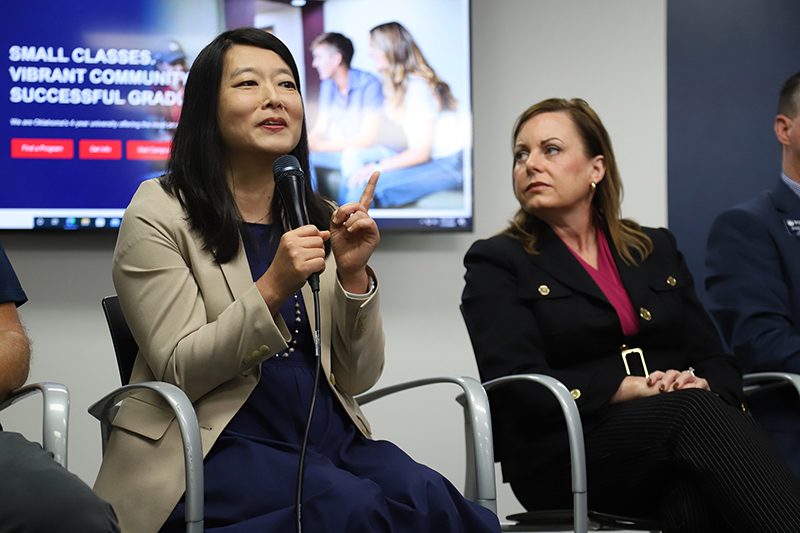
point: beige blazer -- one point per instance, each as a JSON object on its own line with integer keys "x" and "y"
{"x": 205, "y": 328}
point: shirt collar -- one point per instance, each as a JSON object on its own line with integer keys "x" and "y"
{"x": 793, "y": 185}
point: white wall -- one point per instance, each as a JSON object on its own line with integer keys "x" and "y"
{"x": 612, "y": 53}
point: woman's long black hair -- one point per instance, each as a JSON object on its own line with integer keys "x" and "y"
{"x": 196, "y": 171}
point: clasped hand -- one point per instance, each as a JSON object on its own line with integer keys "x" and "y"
{"x": 657, "y": 382}
{"x": 301, "y": 252}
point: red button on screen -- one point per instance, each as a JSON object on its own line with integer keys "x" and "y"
{"x": 42, "y": 148}
{"x": 148, "y": 150}
{"x": 99, "y": 149}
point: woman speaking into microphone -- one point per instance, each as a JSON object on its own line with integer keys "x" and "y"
{"x": 212, "y": 281}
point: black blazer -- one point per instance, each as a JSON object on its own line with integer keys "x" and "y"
{"x": 544, "y": 314}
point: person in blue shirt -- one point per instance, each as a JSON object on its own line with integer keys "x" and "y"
{"x": 36, "y": 493}
{"x": 350, "y": 106}
{"x": 753, "y": 282}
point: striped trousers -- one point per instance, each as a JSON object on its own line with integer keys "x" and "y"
{"x": 686, "y": 457}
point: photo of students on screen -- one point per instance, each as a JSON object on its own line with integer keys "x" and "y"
{"x": 421, "y": 103}
{"x": 349, "y": 113}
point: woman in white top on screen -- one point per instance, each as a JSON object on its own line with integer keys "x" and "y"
{"x": 421, "y": 103}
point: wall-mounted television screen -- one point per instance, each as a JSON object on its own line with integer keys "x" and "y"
{"x": 92, "y": 93}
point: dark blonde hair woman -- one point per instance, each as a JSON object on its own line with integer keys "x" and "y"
{"x": 573, "y": 291}
{"x": 421, "y": 103}
{"x": 403, "y": 58}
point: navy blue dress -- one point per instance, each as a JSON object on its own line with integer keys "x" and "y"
{"x": 352, "y": 484}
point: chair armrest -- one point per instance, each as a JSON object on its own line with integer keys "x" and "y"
{"x": 575, "y": 433}
{"x": 480, "y": 485}
{"x": 767, "y": 380}
{"x": 105, "y": 409}
{"x": 55, "y": 415}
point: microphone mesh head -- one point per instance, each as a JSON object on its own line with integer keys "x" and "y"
{"x": 286, "y": 165}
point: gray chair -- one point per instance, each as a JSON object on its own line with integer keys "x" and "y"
{"x": 764, "y": 381}
{"x": 580, "y": 519}
{"x": 106, "y": 408}
{"x": 55, "y": 415}
{"x": 774, "y": 401}
{"x": 480, "y": 484}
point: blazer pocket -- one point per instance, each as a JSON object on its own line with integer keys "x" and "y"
{"x": 556, "y": 308}
{"x": 669, "y": 282}
{"x": 670, "y": 290}
{"x": 143, "y": 418}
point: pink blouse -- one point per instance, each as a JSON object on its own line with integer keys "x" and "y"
{"x": 607, "y": 278}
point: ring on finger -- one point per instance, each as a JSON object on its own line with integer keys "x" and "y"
{"x": 691, "y": 371}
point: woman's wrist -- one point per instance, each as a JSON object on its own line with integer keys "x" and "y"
{"x": 271, "y": 297}
{"x": 357, "y": 283}
{"x": 359, "y": 296}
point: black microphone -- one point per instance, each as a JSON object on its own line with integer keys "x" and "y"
{"x": 289, "y": 180}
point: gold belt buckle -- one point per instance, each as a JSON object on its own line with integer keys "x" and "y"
{"x": 625, "y": 351}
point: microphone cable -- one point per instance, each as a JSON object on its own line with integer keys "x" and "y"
{"x": 318, "y": 357}
{"x": 289, "y": 181}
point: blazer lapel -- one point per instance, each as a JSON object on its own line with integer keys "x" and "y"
{"x": 785, "y": 200}
{"x": 557, "y": 260}
{"x": 633, "y": 277}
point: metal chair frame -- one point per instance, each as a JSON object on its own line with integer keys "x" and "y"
{"x": 583, "y": 519}
{"x": 55, "y": 415}
{"x": 107, "y": 407}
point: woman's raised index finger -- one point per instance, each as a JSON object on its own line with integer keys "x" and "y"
{"x": 369, "y": 190}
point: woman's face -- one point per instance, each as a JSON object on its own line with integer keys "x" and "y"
{"x": 377, "y": 55}
{"x": 260, "y": 111}
{"x": 552, "y": 173}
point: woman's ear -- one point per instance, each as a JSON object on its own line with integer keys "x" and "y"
{"x": 598, "y": 168}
